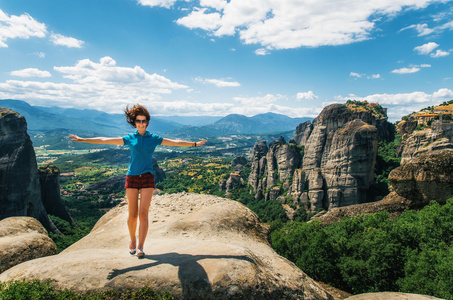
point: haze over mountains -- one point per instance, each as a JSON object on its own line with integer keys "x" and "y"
{"x": 94, "y": 122}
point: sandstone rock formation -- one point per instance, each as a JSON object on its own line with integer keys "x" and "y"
{"x": 20, "y": 191}
{"x": 23, "y": 239}
{"x": 329, "y": 164}
{"x": 49, "y": 178}
{"x": 436, "y": 137}
{"x": 428, "y": 177}
{"x": 428, "y": 129}
{"x": 198, "y": 247}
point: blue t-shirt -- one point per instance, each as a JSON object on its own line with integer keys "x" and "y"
{"x": 142, "y": 150}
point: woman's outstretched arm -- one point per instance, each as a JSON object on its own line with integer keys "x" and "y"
{"x": 179, "y": 143}
{"x": 98, "y": 140}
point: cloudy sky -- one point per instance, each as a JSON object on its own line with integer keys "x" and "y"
{"x": 216, "y": 57}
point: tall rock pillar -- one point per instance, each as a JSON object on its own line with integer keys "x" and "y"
{"x": 20, "y": 191}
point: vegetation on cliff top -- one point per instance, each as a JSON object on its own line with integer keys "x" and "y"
{"x": 376, "y": 109}
{"x": 23, "y": 290}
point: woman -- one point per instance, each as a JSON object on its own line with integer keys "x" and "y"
{"x": 140, "y": 175}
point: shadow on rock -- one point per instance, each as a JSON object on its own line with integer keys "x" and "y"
{"x": 193, "y": 277}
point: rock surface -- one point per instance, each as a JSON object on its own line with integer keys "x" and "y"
{"x": 391, "y": 296}
{"x": 198, "y": 247}
{"x": 20, "y": 191}
{"x": 23, "y": 239}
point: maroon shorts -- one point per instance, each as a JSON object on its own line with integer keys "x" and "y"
{"x": 140, "y": 181}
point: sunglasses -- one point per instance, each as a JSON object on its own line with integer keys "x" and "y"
{"x": 141, "y": 121}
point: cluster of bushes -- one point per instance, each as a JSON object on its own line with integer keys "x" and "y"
{"x": 371, "y": 253}
{"x": 23, "y": 290}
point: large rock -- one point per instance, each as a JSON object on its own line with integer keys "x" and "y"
{"x": 436, "y": 137}
{"x": 427, "y": 177}
{"x": 20, "y": 191}
{"x": 198, "y": 247}
{"x": 23, "y": 239}
{"x": 342, "y": 151}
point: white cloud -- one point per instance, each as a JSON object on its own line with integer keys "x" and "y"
{"x": 259, "y": 101}
{"x": 285, "y": 24}
{"x": 187, "y": 108}
{"x": 162, "y": 3}
{"x": 261, "y": 51}
{"x": 269, "y": 103}
{"x": 443, "y": 94}
{"x": 411, "y": 69}
{"x": 199, "y": 19}
{"x": 217, "y": 4}
{"x": 101, "y": 85}
{"x": 306, "y": 96}
{"x": 31, "y": 72}
{"x": 358, "y": 75}
{"x": 61, "y": 40}
{"x": 40, "y": 54}
{"x": 406, "y": 70}
{"x": 426, "y": 48}
{"x": 440, "y": 53}
{"x": 353, "y": 74}
{"x": 23, "y": 26}
{"x": 218, "y": 82}
{"x": 422, "y": 29}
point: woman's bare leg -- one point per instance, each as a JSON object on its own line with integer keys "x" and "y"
{"x": 132, "y": 206}
{"x": 145, "y": 201}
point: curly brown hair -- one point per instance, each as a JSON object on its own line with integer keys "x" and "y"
{"x": 136, "y": 110}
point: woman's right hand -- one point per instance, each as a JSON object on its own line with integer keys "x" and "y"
{"x": 75, "y": 138}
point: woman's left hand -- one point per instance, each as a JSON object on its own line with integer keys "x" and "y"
{"x": 200, "y": 143}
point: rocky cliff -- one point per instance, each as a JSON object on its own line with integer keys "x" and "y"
{"x": 428, "y": 177}
{"x": 425, "y": 131}
{"x": 20, "y": 190}
{"x": 330, "y": 163}
{"x": 49, "y": 178}
{"x": 198, "y": 247}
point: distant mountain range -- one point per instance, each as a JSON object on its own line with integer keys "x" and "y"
{"x": 94, "y": 122}
{"x": 239, "y": 124}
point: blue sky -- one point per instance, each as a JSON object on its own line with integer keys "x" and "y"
{"x": 217, "y": 57}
